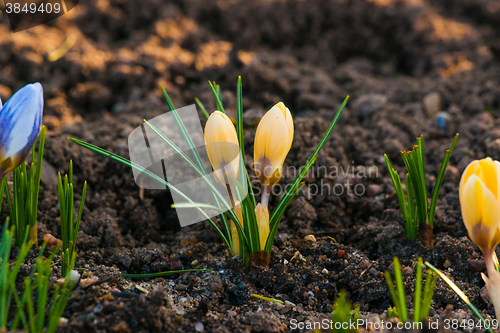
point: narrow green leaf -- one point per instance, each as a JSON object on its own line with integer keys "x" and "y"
{"x": 460, "y": 294}
{"x": 398, "y": 276}
{"x": 202, "y": 107}
{"x": 418, "y": 292}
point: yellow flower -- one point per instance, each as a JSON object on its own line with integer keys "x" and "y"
{"x": 262, "y": 215}
{"x": 234, "y": 231}
{"x": 222, "y": 146}
{"x": 272, "y": 143}
{"x": 479, "y": 198}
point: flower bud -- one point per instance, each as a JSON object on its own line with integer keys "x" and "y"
{"x": 262, "y": 215}
{"x": 234, "y": 231}
{"x": 273, "y": 140}
{"x": 479, "y": 199}
{"x": 20, "y": 124}
{"x": 222, "y": 146}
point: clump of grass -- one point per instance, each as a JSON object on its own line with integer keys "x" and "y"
{"x": 23, "y": 203}
{"x": 247, "y": 228}
{"x": 418, "y": 214}
{"x": 344, "y": 314}
{"x": 34, "y": 309}
{"x": 69, "y": 227}
{"x": 422, "y": 298}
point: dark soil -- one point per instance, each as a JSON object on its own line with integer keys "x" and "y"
{"x": 388, "y": 55}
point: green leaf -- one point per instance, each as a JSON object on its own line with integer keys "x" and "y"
{"x": 460, "y": 294}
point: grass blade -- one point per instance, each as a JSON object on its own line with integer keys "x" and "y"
{"x": 460, "y": 294}
{"x": 398, "y": 276}
{"x": 418, "y": 292}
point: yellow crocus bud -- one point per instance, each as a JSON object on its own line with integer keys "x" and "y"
{"x": 222, "y": 146}
{"x": 234, "y": 231}
{"x": 480, "y": 201}
{"x": 273, "y": 140}
{"x": 262, "y": 215}
{"x": 479, "y": 198}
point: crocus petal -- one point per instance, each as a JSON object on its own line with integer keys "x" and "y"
{"x": 222, "y": 146}
{"x": 273, "y": 140}
{"x": 469, "y": 202}
{"x": 262, "y": 216}
{"x": 20, "y": 123}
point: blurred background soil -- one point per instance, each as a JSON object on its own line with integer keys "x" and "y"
{"x": 410, "y": 67}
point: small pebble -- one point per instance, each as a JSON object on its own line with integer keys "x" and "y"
{"x": 63, "y": 322}
{"x": 476, "y": 265}
{"x": 364, "y": 264}
{"x": 50, "y": 240}
{"x": 407, "y": 271}
{"x": 432, "y": 103}
{"x": 446, "y": 263}
{"x": 324, "y": 271}
{"x": 232, "y": 313}
{"x": 74, "y": 276}
{"x": 120, "y": 327}
{"x": 373, "y": 190}
{"x": 84, "y": 283}
{"x": 310, "y": 238}
{"x": 196, "y": 279}
{"x": 288, "y": 303}
{"x": 316, "y": 289}
{"x": 442, "y": 118}
{"x": 98, "y": 308}
{"x": 194, "y": 262}
{"x": 181, "y": 287}
{"x": 341, "y": 254}
{"x": 285, "y": 262}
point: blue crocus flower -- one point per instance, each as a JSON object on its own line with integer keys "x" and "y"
{"x": 20, "y": 124}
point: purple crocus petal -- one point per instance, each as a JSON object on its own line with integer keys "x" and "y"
{"x": 20, "y": 123}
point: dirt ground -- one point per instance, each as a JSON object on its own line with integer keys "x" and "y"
{"x": 400, "y": 61}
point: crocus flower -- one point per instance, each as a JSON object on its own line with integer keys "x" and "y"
{"x": 235, "y": 250}
{"x": 222, "y": 146}
{"x": 262, "y": 215}
{"x": 480, "y": 201}
{"x": 273, "y": 140}
{"x": 20, "y": 124}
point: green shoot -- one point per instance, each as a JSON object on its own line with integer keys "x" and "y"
{"x": 36, "y": 317}
{"x": 462, "y": 295}
{"x": 23, "y": 204}
{"x": 343, "y": 313}
{"x": 272, "y": 300}
{"x": 69, "y": 228}
{"x": 8, "y": 274}
{"x": 421, "y": 299}
{"x": 417, "y": 212}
